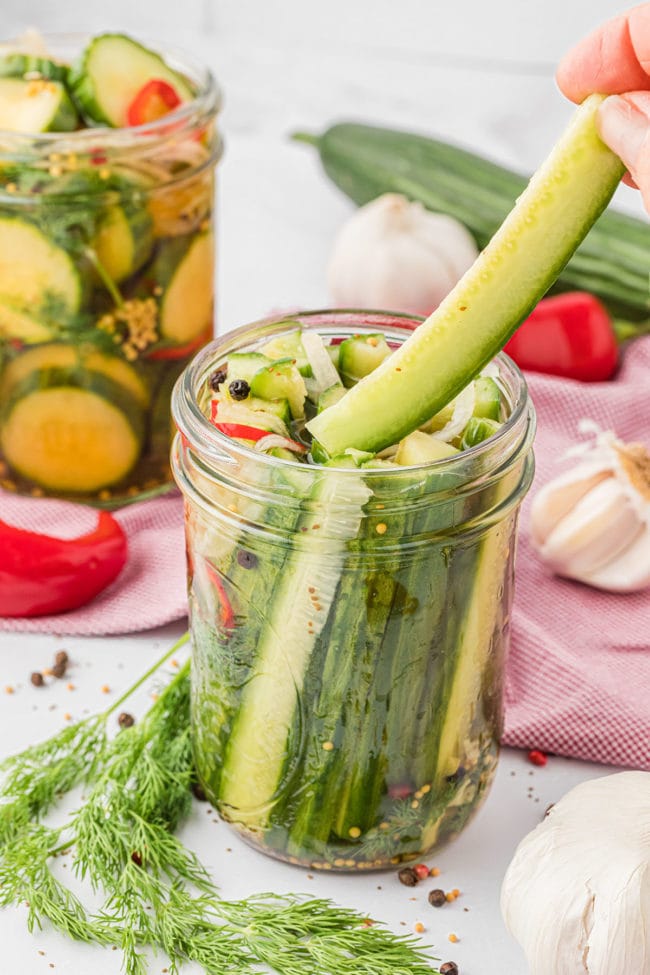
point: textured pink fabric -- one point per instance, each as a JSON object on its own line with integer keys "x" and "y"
{"x": 578, "y": 680}
{"x": 150, "y": 590}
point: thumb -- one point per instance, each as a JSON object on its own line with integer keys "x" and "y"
{"x": 624, "y": 124}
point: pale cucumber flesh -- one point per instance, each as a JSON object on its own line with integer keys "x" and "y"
{"x": 553, "y": 215}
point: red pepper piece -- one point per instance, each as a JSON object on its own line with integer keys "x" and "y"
{"x": 226, "y": 612}
{"x": 535, "y": 757}
{"x": 155, "y": 99}
{"x": 179, "y": 351}
{"x": 569, "y": 335}
{"x": 240, "y": 431}
{"x": 40, "y": 575}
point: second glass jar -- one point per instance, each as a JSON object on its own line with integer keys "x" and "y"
{"x": 106, "y": 292}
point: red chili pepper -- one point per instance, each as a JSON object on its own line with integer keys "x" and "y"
{"x": 40, "y": 574}
{"x": 535, "y": 757}
{"x": 568, "y": 335}
{"x": 226, "y": 612}
{"x": 155, "y": 99}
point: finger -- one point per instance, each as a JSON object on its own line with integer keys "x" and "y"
{"x": 613, "y": 59}
{"x": 624, "y": 124}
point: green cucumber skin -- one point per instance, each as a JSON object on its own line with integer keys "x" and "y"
{"x": 84, "y": 88}
{"x": 17, "y": 65}
{"x": 366, "y": 161}
{"x": 94, "y": 382}
{"x": 522, "y": 261}
{"x": 64, "y": 117}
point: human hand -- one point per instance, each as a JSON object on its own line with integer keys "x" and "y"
{"x": 615, "y": 60}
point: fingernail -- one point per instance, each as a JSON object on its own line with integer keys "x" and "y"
{"x": 623, "y": 127}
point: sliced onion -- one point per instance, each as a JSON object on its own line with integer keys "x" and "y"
{"x": 323, "y": 369}
{"x": 273, "y": 440}
{"x": 463, "y": 410}
{"x": 234, "y": 413}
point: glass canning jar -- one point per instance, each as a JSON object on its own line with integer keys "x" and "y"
{"x": 349, "y": 626}
{"x": 106, "y": 292}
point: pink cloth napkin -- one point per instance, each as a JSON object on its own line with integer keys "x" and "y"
{"x": 578, "y": 680}
{"x": 150, "y": 590}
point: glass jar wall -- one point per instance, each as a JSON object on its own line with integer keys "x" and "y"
{"x": 350, "y": 626}
{"x": 106, "y": 292}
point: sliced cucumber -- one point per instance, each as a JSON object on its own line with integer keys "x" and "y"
{"x": 477, "y": 430}
{"x": 61, "y": 355}
{"x": 334, "y": 352}
{"x": 111, "y": 71}
{"x": 360, "y": 355}
{"x": 244, "y": 365}
{"x": 18, "y": 64}
{"x": 288, "y": 347}
{"x": 487, "y": 398}
{"x": 281, "y": 380}
{"x": 35, "y": 272}
{"x": 330, "y": 397}
{"x": 35, "y": 106}
{"x": 526, "y": 255}
{"x": 16, "y": 324}
{"x": 185, "y": 269}
{"x": 257, "y": 748}
{"x": 123, "y": 240}
{"x": 71, "y": 431}
{"x": 419, "y": 448}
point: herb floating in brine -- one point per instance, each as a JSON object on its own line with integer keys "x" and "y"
{"x": 156, "y": 892}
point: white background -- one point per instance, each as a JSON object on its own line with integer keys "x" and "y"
{"x": 478, "y": 73}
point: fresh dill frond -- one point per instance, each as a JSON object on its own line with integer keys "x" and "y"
{"x": 156, "y": 892}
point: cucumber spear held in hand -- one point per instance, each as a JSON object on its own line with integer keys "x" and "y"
{"x": 551, "y": 218}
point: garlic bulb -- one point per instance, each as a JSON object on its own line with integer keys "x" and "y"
{"x": 395, "y": 255}
{"x": 577, "y": 893}
{"x": 592, "y": 523}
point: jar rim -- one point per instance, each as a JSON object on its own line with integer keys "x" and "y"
{"x": 197, "y": 429}
{"x": 207, "y": 101}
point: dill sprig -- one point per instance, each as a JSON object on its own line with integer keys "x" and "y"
{"x": 155, "y": 891}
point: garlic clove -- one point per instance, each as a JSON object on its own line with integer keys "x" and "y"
{"x": 556, "y": 499}
{"x": 629, "y": 572}
{"x": 598, "y": 527}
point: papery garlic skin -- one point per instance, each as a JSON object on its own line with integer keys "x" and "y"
{"x": 577, "y": 893}
{"x": 396, "y": 255}
{"x": 592, "y": 523}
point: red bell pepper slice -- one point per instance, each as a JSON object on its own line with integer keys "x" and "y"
{"x": 569, "y": 335}
{"x": 226, "y": 612}
{"x": 155, "y": 99}
{"x": 40, "y": 575}
{"x": 166, "y": 352}
{"x": 237, "y": 430}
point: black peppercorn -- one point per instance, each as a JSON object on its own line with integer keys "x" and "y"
{"x": 437, "y": 897}
{"x": 246, "y": 559}
{"x": 126, "y": 720}
{"x": 408, "y": 877}
{"x": 217, "y": 378}
{"x": 58, "y": 670}
{"x": 239, "y": 389}
{"x": 137, "y": 859}
{"x": 37, "y": 679}
{"x": 197, "y": 791}
{"x": 61, "y": 658}
{"x": 449, "y": 968}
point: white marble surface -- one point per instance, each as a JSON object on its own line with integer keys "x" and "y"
{"x": 476, "y": 73}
